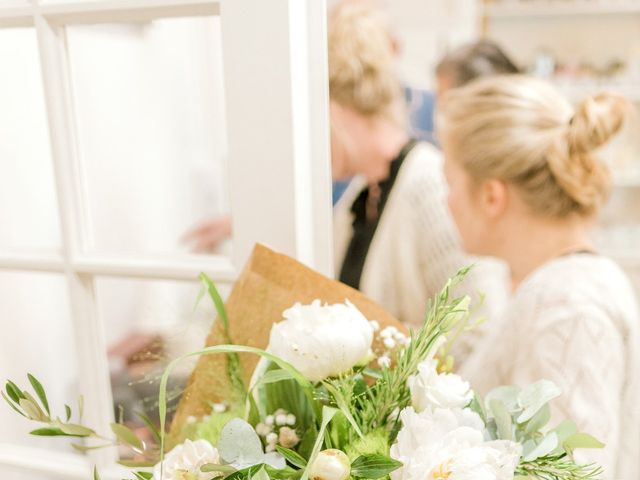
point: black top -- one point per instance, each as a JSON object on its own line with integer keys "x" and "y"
{"x": 364, "y": 228}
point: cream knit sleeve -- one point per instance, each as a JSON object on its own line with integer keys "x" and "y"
{"x": 577, "y": 346}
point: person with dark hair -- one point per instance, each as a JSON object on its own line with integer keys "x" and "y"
{"x": 470, "y": 61}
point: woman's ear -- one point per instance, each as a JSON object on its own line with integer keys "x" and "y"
{"x": 494, "y": 197}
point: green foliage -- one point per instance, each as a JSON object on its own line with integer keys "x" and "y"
{"x": 557, "y": 467}
{"x": 210, "y": 428}
{"x": 373, "y": 443}
{"x": 373, "y": 466}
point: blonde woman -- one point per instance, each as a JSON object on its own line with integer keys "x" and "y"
{"x": 394, "y": 238}
{"x": 525, "y": 184}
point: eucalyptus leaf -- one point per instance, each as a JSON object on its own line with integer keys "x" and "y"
{"x": 535, "y": 396}
{"x": 275, "y": 460}
{"x": 564, "y": 430}
{"x": 373, "y": 466}
{"x": 582, "y": 440}
{"x": 502, "y": 419}
{"x": 545, "y": 447}
{"x": 294, "y": 458}
{"x": 508, "y": 395}
{"x": 125, "y": 435}
{"x": 39, "y": 389}
{"x": 240, "y": 445}
{"x": 539, "y": 420}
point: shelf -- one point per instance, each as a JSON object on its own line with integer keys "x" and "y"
{"x": 556, "y": 8}
{"x": 578, "y": 91}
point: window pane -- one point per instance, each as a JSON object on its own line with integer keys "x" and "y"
{"x": 37, "y": 337}
{"x": 150, "y": 108}
{"x": 147, "y": 324}
{"x": 28, "y": 213}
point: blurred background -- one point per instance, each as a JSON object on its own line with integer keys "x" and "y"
{"x": 149, "y": 116}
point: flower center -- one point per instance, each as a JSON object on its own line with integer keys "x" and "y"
{"x": 442, "y": 472}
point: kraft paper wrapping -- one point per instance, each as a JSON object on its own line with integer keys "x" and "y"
{"x": 269, "y": 284}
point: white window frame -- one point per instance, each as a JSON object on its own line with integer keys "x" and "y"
{"x": 279, "y": 170}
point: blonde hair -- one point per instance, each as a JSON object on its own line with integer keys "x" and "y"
{"x": 521, "y": 130}
{"x": 362, "y": 69}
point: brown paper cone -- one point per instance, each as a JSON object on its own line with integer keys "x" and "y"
{"x": 269, "y": 284}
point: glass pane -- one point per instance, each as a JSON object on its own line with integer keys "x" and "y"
{"x": 37, "y": 337}
{"x": 147, "y": 324}
{"x": 28, "y": 213}
{"x": 150, "y": 108}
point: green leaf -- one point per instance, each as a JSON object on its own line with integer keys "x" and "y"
{"x": 327, "y": 414}
{"x": 274, "y": 376}
{"x": 217, "y": 300}
{"x": 13, "y": 391}
{"x": 150, "y": 425}
{"x": 37, "y": 387}
{"x": 564, "y": 430}
{"x": 344, "y": 408}
{"x": 260, "y": 475}
{"x": 239, "y": 444}
{"x": 582, "y": 440}
{"x": 143, "y": 475}
{"x": 125, "y": 435}
{"x": 11, "y": 404}
{"x": 135, "y": 464}
{"x": 32, "y": 410}
{"x": 74, "y": 429}
{"x": 81, "y": 407}
{"x": 507, "y": 394}
{"x": 477, "y": 406}
{"x": 374, "y": 466}
{"x": 546, "y": 446}
{"x": 292, "y": 457}
{"x": 52, "y": 432}
{"x": 88, "y": 448}
{"x": 67, "y": 410}
{"x": 96, "y": 476}
{"x": 214, "y": 467}
{"x": 535, "y": 396}
{"x": 539, "y": 420}
{"x": 502, "y": 418}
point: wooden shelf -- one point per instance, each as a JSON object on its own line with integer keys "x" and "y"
{"x": 556, "y": 8}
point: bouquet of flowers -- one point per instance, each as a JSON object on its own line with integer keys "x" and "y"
{"x": 337, "y": 396}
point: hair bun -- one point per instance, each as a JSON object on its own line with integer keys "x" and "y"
{"x": 597, "y": 119}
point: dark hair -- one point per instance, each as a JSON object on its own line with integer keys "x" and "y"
{"x": 474, "y": 60}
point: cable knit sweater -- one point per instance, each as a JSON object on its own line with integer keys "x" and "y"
{"x": 574, "y": 321}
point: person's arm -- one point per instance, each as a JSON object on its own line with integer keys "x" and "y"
{"x": 578, "y": 347}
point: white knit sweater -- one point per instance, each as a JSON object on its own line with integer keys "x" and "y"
{"x": 574, "y": 321}
{"x": 415, "y": 248}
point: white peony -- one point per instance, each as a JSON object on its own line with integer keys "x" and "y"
{"x": 185, "y": 460}
{"x": 322, "y": 340}
{"x": 449, "y": 444}
{"x": 432, "y": 390}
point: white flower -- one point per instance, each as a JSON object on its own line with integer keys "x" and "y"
{"x": 322, "y": 341}
{"x": 449, "y": 444}
{"x": 330, "y": 464}
{"x": 432, "y": 390}
{"x": 185, "y": 460}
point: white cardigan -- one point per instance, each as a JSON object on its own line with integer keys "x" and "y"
{"x": 574, "y": 321}
{"x": 415, "y": 248}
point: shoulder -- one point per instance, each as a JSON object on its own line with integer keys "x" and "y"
{"x": 421, "y": 178}
{"x": 584, "y": 287}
